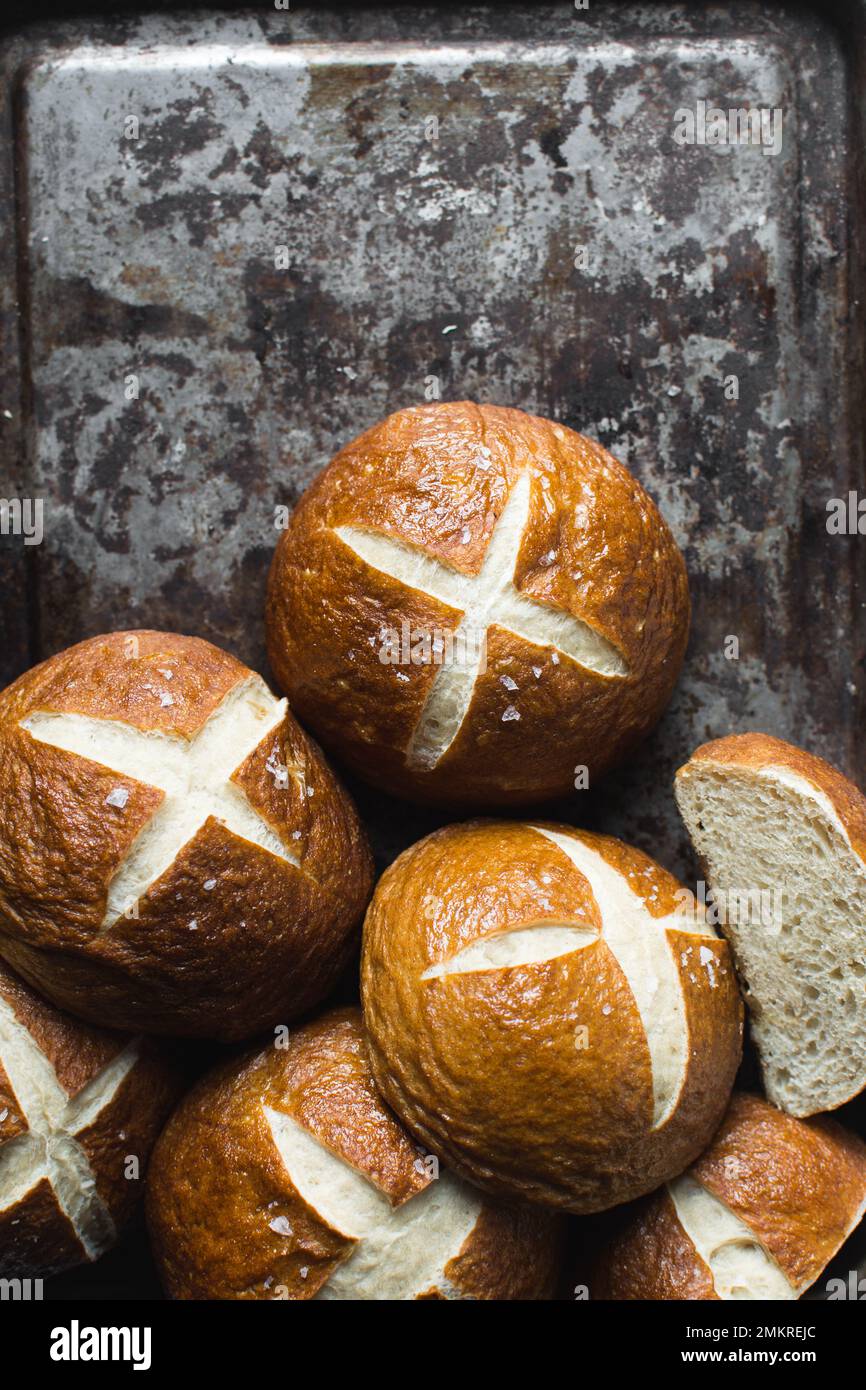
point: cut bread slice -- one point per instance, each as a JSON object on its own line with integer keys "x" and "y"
{"x": 781, "y": 836}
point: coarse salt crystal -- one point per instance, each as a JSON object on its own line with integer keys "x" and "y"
{"x": 708, "y": 959}
{"x": 281, "y": 1225}
{"x": 508, "y": 683}
{"x": 117, "y": 797}
{"x": 209, "y": 883}
{"x": 510, "y": 713}
{"x": 278, "y": 770}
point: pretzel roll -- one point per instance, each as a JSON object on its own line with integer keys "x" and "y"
{"x": 79, "y": 1112}
{"x": 472, "y": 605}
{"x": 759, "y": 1216}
{"x": 283, "y": 1176}
{"x": 547, "y": 1012}
{"x": 781, "y": 836}
{"x": 175, "y": 854}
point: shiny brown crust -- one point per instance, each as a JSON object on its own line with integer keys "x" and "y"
{"x": 36, "y": 1236}
{"x": 270, "y": 940}
{"x": 799, "y": 1185}
{"x": 652, "y": 1259}
{"x": 416, "y": 477}
{"x": 752, "y": 752}
{"x": 217, "y": 1183}
{"x": 483, "y": 1067}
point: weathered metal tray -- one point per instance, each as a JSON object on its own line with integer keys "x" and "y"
{"x": 492, "y": 197}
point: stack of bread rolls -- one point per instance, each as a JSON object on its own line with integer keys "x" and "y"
{"x": 479, "y": 610}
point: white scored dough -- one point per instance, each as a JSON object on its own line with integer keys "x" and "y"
{"x": 740, "y": 1265}
{"x": 526, "y": 945}
{"x": 640, "y": 944}
{"x": 768, "y": 833}
{"x": 488, "y": 598}
{"x": 49, "y": 1149}
{"x": 401, "y": 1251}
{"x": 193, "y": 773}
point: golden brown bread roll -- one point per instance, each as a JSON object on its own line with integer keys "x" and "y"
{"x": 470, "y": 604}
{"x": 547, "y": 1013}
{"x": 759, "y": 1216}
{"x": 79, "y": 1112}
{"x": 283, "y": 1175}
{"x": 175, "y": 854}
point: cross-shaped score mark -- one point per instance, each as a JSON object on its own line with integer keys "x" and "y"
{"x": 193, "y": 773}
{"x": 487, "y": 599}
{"x": 638, "y": 941}
{"x": 741, "y": 1267}
{"x": 49, "y": 1150}
{"x": 403, "y": 1250}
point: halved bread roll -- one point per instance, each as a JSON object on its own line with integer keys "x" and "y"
{"x": 782, "y": 837}
{"x": 759, "y": 1216}
{"x": 284, "y": 1176}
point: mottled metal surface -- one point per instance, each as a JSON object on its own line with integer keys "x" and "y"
{"x": 411, "y": 258}
{"x": 454, "y": 258}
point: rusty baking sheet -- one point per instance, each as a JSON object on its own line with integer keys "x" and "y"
{"x": 235, "y": 239}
